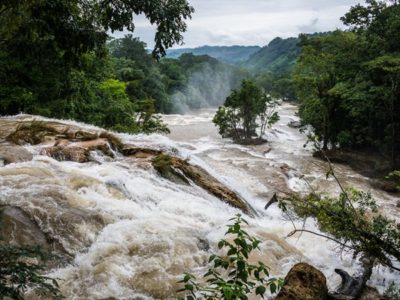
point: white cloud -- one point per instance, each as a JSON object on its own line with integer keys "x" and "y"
{"x": 254, "y": 22}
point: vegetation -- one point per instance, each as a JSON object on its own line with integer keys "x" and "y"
{"x": 21, "y": 269}
{"x": 278, "y": 57}
{"x": 354, "y": 222}
{"x": 348, "y": 82}
{"x": 67, "y": 72}
{"x": 232, "y": 276}
{"x": 244, "y": 111}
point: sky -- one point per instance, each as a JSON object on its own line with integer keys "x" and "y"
{"x": 253, "y": 22}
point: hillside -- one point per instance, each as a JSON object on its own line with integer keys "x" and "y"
{"x": 227, "y": 54}
{"x": 278, "y": 56}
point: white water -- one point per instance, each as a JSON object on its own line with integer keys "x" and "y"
{"x": 133, "y": 233}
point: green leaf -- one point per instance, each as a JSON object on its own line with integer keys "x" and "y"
{"x": 273, "y": 287}
{"x": 260, "y": 290}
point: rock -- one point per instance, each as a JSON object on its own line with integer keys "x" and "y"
{"x": 139, "y": 152}
{"x": 174, "y": 168}
{"x": 19, "y": 230}
{"x": 77, "y": 151}
{"x": 286, "y": 169}
{"x": 294, "y": 124}
{"x": 371, "y": 293}
{"x": 367, "y": 163}
{"x": 265, "y": 149}
{"x": 398, "y": 204}
{"x": 304, "y": 282}
{"x": 14, "y": 154}
{"x": 385, "y": 185}
{"x": 60, "y": 153}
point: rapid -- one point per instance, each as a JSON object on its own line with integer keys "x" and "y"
{"x": 128, "y": 233}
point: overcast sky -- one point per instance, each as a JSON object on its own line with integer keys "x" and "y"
{"x": 254, "y": 22}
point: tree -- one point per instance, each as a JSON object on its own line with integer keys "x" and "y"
{"x": 242, "y": 278}
{"x": 42, "y": 44}
{"x": 355, "y": 223}
{"x": 238, "y": 117}
{"x": 348, "y": 82}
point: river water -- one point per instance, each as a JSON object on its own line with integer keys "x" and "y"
{"x": 132, "y": 234}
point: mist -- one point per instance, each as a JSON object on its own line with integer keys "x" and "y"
{"x": 207, "y": 87}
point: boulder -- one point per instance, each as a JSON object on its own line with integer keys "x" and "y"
{"x": 371, "y": 293}
{"x": 14, "y": 154}
{"x": 304, "y": 282}
{"x": 181, "y": 171}
{"x": 294, "y": 124}
{"x": 60, "y": 153}
{"x": 19, "y": 230}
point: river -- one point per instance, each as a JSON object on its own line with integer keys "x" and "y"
{"x": 131, "y": 234}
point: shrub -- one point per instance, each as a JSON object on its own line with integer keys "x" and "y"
{"x": 241, "y": 278}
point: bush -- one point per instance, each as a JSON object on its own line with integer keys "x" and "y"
{"x": 19, "y": 272}
{"x": 241, "y": 278}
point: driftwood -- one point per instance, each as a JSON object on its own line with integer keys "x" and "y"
{"x": 352, "y": 287}
{"x": 273, "y": 199}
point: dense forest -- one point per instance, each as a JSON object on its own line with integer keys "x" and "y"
{"x": 56, "y": 62}
{"x": 348, "y": 82}
{"x": 137, "y": 199}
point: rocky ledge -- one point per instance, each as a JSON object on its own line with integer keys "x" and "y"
{"x": 65, "y": 142}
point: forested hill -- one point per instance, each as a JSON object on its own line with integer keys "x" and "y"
{"x": 279, "y": 56}
{"x": 227, "y": 54}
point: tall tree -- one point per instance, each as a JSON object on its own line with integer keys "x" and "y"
{"x": 42, "y": 42}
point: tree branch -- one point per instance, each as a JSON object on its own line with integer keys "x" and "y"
{"x": 321, "y": 235}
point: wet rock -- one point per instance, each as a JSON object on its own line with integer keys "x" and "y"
{"x": 385, "y": 185}
{"x": 77, "y": 151}
{"x": 371, "y": 293}
{"x": 264, "y": 149}
{"x": 60, "y": 153}
{"x": 14, "y": 154}
{"x": 203, "y": 244}
{"x": 33, "y": 132}
{"x": 19, "y": 230}
{"x": 398, "y": 204}
{"x": 367, "y": 163}
{"x": 294, "y": 124}
{"x": 174, "y": 168}
{"x": 304, "y": 282}
{"x": 286, "y": 169}
{"x": 139, "y": 152}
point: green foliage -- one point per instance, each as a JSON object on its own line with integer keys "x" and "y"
{"x": 278, "y": 57}
{"x": 20, "y": 269}
{"x": 62, "y": 73}
{"x": 393, "y": 292}
{"x": 353, "y": 221}
{"x": 348, "y": 83}
{"x": 244, "y": 111}
{"x": 232, "y": 276}
{"x": 395, "y": 176}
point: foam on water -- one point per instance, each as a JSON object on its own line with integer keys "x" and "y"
{"x": 133, "y": 234}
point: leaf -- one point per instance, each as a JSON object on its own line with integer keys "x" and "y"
{"x": 260, "y": 290}
{"x": 273, "y": 287}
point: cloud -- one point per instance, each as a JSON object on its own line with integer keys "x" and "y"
{"x": 254, "y": 22}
